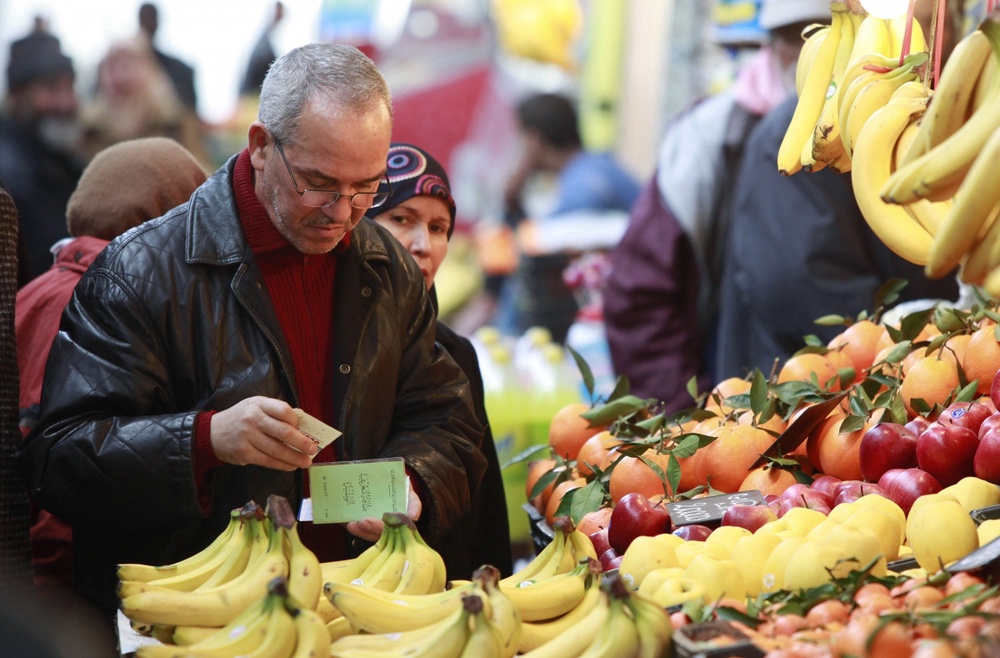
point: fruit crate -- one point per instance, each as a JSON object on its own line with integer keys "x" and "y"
{"x": 713, "y": 639}
{"x": 541, "y": 533}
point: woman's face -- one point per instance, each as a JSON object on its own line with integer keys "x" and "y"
{"x": 421, "y": 225}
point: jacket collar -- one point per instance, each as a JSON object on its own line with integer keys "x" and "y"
{"x": 215, "y": 236}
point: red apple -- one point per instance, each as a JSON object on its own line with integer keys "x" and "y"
{"x": 993, "y": 420}
{"x": 610, "y": 559}
{"x": 826, "y": 484}
{"x": 750, "y": 517}
{"x": 850, "y": 490}
{"x": 692, "y": 532}
{"x": 947, "y": 452}
{"x": 885, "y": 446}
{"x": 995, "y": 390}
{"x": 600, "y": 541}
{"x": 966, "y": 414}
{"x": 793, "y": 491}
{"x": 904, "y": 485}
{"x": 815, "y": 500}
{"x": 917, "y": 425}
{"x": 986, "y": 463}
{"x": 634, "y": 515}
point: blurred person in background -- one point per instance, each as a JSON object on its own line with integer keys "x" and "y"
{"x": 134, "y": 98}
{"x": 662, "y": 301}
{"x": 799, "y": 248}
{"x": 181, "y": 75}
{"x": 584, "y": 185}
{"x": 123, "y": 186}
{"x": 420, "y": 213}
{"x": 39, "y": 137}
{"x": 262, "y": 55}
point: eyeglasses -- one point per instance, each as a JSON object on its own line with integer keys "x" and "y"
{"x": 324, "y": 198}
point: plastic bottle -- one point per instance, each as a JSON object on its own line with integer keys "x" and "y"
{"x": 552, "y": 386}
{"x": 505, "y": 408}
{"x": 588, "y": 338}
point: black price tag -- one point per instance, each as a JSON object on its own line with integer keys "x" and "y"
{"x": 711, "y": 508}
{"x": 978, "y": 558}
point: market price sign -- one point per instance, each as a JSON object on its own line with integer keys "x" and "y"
{"x": 710, "y": 509}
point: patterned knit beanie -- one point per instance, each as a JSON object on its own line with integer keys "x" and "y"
{"x": 413, "y": 172}
{"x": 129, "y": 183}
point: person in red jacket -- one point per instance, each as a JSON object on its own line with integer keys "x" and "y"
{"x": 123, "y": 186}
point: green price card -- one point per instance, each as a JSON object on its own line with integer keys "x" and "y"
{"x": 353, "y": 490}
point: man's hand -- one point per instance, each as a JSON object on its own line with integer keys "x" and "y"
{"x": 261, "y": 431}
{"x": 370, "y": 529}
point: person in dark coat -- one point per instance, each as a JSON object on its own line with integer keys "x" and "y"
{"x": 420, "y": 213}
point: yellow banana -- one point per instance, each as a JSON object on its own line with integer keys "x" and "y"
{"x": 503, "y": 613}
{"x": 582, "y": 546}
{"x": 810, "y": 103}
{"x": 974, "y": 202}
{"x": 148, "y": 572}
{"x": 214, "y": 606}
{"x": 442, "y": 639}
{"x": 813, "y": 36}
{"x": 936, "y": 174}
{"x": 440, "y": 578}
{"x": 312, "y": 639}
{"x": 985, "y": 255}
{"x": 375, "y": 611}
{"x": 875, "y": 91}
{"x": 575, "y": 640}
{"x": 871, "y": 167}
{"x": 305, "y": 574}
{"x": 279, "y": 638}
{"x": 535, "y": 634}
{"x": 952, "y": 96}
{"x": 339, "y": 627}
{"x": 484, "y": 640}
{"x": 992, "y": 283}
{"x": 238, "y": 561}
{"x": 345, "y": 571}
{"x": 826, "y": 145}
{"x": 871, "y": 37}
{"x": 859, "y": 73}
{"x": 554, "y": 552}
{"x": 983, "y": 84}
{"x": 421, "y": 564}
{"x": 549, "y": 597}
{"x": 897, "y": 32}
{"x": 388, "y": 574}
{"x": 619, "y": 636}
{"x": 652, "y": 625}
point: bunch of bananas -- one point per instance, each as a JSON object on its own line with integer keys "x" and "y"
{"x": 273, "y": 627}
{"x": 951, "y": 164}
{"x": 193, "y": 598}
{"x": 842, "y": 74}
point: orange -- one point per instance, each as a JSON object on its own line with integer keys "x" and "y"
{"x": 632, "y": 475}
{"x": 569, "y": 430}
{"x": 594, "y": 452}
{"x": 536, "y": 470}
{"x": 591, "y": 522}
{"x": 860, "y": 343}
{"x": 835, "y": 453}
{"x": 725, "y": 389}
{"x": 775, "y": 423}
{"x": 982, "y": 358}
{"x": 802, "y": 367}
{"x": 953, "y": 350}
{"x": 768, "y": 479}
{"x": 931, "y": 379}
{"x": 726, "y": 461}
{"x": 558, "y": 494}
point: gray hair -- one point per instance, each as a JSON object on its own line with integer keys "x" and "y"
{"x": 337, "y": 73}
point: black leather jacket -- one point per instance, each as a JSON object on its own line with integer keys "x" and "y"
{"x": 173, "y": 318}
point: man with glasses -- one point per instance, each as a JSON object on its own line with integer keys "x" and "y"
{"x": 170, "y": 390}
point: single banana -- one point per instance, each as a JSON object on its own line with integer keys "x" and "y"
{"x": 503, "y": 613}
{"x": 279, "y": 638}
{"x": 619, "y": 636}
{"x": 549, "y": 597}
{"x": 575, "y": 639}
{"x": 952, "y": 96}
{"x": 305, "y": 574}
{"x": 420, "y": 567}
{"x": 985, "y": 255}
{"x": 312, "y": 639}
{"x": 484, "y": 640}
{"x": 442, "y": 639}
{"x": 871, "y": 37}
{"x": 871, "y": 167}
{"x": 936, "y": 174}
{"x": 652, "y": 624}
{"x": 983, "y": 84}
{"x": 826, "y": 144}
{"x": 215, "y": 606}
{"x": 146, "y": 572}
{"x": 975, "y": 200}
{"x": 813, "y": 36}
{"x": 375, "y": 611}
{"x": 992, "y": 283}
{"x": 535, "y": 634}
{"x": 582, "y": 546}
{"x": 810, "y": 102}
{"x": 440, "y": 578}
{"x": 897, "y": 33}
{"x": 340, "y": 627}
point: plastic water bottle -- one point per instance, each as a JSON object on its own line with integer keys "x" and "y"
{"x": 588, "y": 338}
{"x": 505, "y": 408}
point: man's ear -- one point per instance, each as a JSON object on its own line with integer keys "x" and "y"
{"x": 258, "y": 139}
